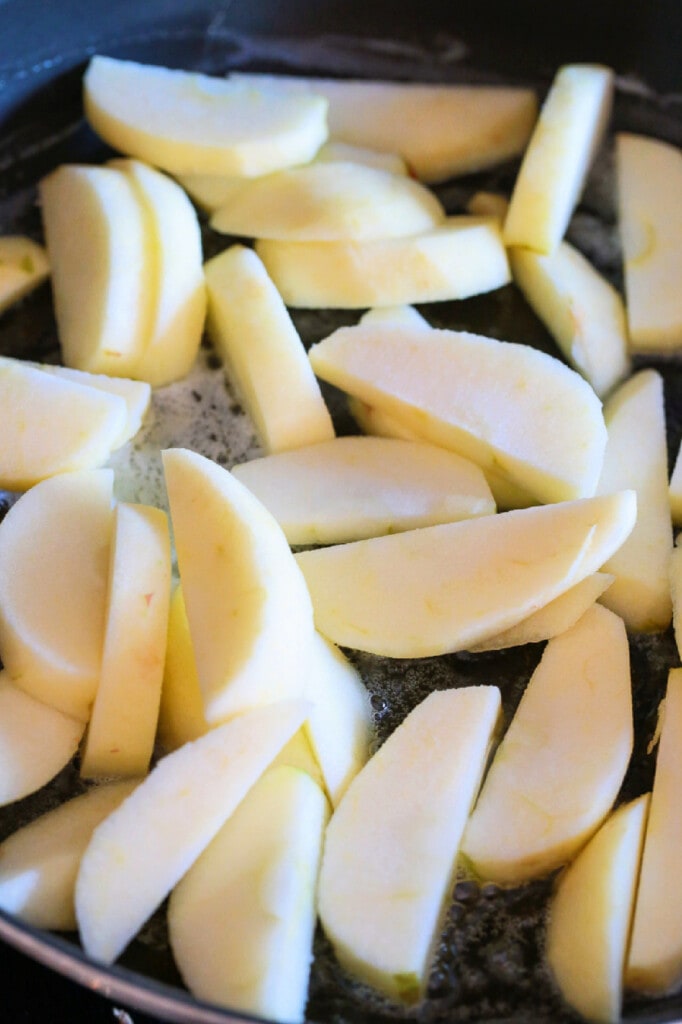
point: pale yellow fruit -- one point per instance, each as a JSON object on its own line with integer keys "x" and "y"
{"x": 355, "y": 487}
{"x": 443, "y": 588}
{"x": 36, "y": 742}
{"x": 102, "y": 272}
{"x": 439, "y": 130}
{"x": 142, "y": 850}
{"x": 23, "y": 266}
{"x": 649, "y": 189}
{"x": 334, "y": 151}
{"x": 52, "y": 425}
{"x": 189, "y": 123}
{"x": 298, "y": 753}
{"x": 464, "y": 256}
{"x": 329, "y": 201}
{"x": 655, "y": 957}
{"x": 591, "y": 913}
{"x": 559, "y": 768}
{"x": 122, "y": 727}
{"x": 174, "y": 242}
{"x": 568, "y": 133}
{"x": 241, "y": 922}
{"x": 254, "y": 333}
{"x": 403, "y": 314}
{"x": 675, "y": 490}
{"x": 676, "y": 593}
{"x": 54, "y": 566}
{"x": 391, "y": 845}
{"x": 581, "y": 309}
{"x": 181, "y": 711}
{"x": 488, "y": 204}
{"x": 39, "y": 862}
{"x": 247, "y": 603}
{"x": 506, "y": 406}
{"x": 636, "y": 456}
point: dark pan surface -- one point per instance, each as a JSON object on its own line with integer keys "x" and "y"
{"x": 490, "y": 963}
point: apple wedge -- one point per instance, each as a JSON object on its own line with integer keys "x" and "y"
{"x": 254, "y": 333}
{"x": 675, "y": 489}
{"x": 655, "y": 955}
{"x": 334, "y": 151}
{"x": 564, "y": 142}
{"x": 189, "y": 123}
{"x": 649, "y": 190}
{"x": 505, "y": 406}
{"x": 23, "y": 266}
{"x": 440, "y": 130}
{"x": 391, "y": 846}
{"x": 637, "y": 456}
{"x": 247, "y": 603}
{"x": 102, "y": 273}
{"x": 52, "y": 425}
{"x": 174, "y": 241}
{"x": 403, "y": 314}
{"x": 464, "y": 256}
{"x": 329, "y": 201}
{"x": 591, "y": 913}
{"x": 39, "y": 862}
{"x": 181, "y": 709}
{"x": 443, "y": 588}
{"x": 241, "y": 921}
{"x": 36, "y": 742}
{"x": 581, "y": 309}
{"x": 54, "y": 566}
{"x": 355, "y": 487}
{"x": 142, "y": 850}
{"x": 488, "y": 204}
{"x": 122, "y": 727}
{"x": 560, "y": 765}
{"x": 298, "y": 754}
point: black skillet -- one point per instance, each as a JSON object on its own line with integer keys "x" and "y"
{"x": 490, "y": 964}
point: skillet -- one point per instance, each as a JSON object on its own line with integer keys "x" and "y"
{"x": 490, "y": 966}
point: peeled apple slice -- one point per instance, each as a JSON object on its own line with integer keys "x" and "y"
{"x": 507, "y": 407}
{"x": 355, "y": 487}
{"x": 23, "y": 266}
{"x": 36, "y": 742}
{"x": 391, "y": 845}
{"x": 327, "y": 202}
{"x": 52, "y": 425}
{"x": 443, "y": 588}
{"x": 189, "y": 123}
{"x": 440, "y": 130}
{"x": 142, "y": 850}
{"x": 54, "y": 567}
{"x": 241, "y": 921}
{"x": 181, "y": 710}
{"x": 464, "y": 256}
{"x": 561, "y": 763}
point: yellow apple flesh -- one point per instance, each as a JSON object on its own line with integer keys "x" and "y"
{"x": 23, "y": 266}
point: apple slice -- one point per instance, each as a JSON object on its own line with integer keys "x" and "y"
{"x": 142, "y": 850}
{"x": 559, "y": 768}
{"x": 403, "y": 314}
{"x": 637, "y": 456}
{"x": 655, "y": 955}
{"x": 329, "y": 202}
{"x": 254, "y": 333}
{"x": 23, "y": 266}
{"x": 591, "y": 913}
{"x": 191, "y": 123}
{"x": 174, "y": 239}
{"x": 247, "y": 603}
{"x": 443, "y": 588}
{"x": 505, "y": 406}
{"x": 334, "y": 151}
{"x": 391, "y": 846}
{"x": 355, "y": 487}
{"x": 241, "y": 921}
{"x": 562, "y": 147}
{"x": 298, "y": 754}
{"x": 36, "y": 742}
{"x": 39, "y": 862}
{"x": 440, "y": 130}
{"x": 675, "y": 490}
{"x": 102, "y": 274}
{"x": 581, "y": 309}
{"x": 464, "y": 256}
{"x": 51, "y": 425}
{"x": 122, "y": 727}
{"x": 54, "y": 566}
{"x": 555, "y": 618}
{"x": 181, "y": 710}
{"x": 649, "y": 189}
{"x": 488, "y": 204}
